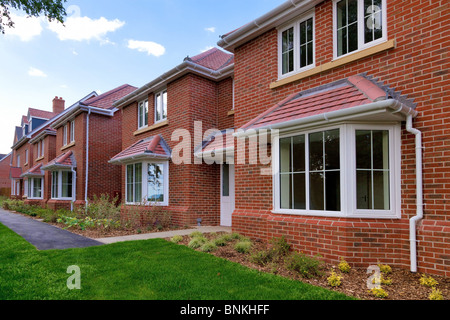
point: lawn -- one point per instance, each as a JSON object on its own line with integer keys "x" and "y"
{"x": 140, "y": 270}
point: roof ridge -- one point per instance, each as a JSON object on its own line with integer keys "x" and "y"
{"x": 108, "y": 93}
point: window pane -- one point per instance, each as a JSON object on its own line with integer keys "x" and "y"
{"x": 145, "y": 113}
{"x": 373, "y": 27}
{"x": 287, "y": 50}
{"x": 341, "y": 13}
{"x": 66, "y": 185}
{"x": 298, "y": 145}
{"x": 332, "y": 150}
{"x": 352, "y": 10}
{"x": 130, "y": 184}
{"x": 310, "y": 53}
{"x": 352, "y": 37}
{"x": 286, "y": 191}
{"x": 158, "y": 115}
{"x": 303, "y": 56}
{"x": 342, "y": 42}
{"x": 381, "y": 150}
{"x": 54, "y": 184}
{"x": 299, "y": 191}
{"x": 141, "y": 115}
{"x": 37, "y": 188}
{"x": 333, "y": 194}
{"x": 225, "y": 180}
{"x": 155, "y": 183}
{"x": 316, "y": 184}
{"x": 363, "y": 149}
{"x": 138, "y": 182}
{"x": 316, "y": 151}
{"x": 381, "y": 189}
{"x": 164, "y": 111}
{"x": 285, "y": 155}
{"x": 364, "y": 189}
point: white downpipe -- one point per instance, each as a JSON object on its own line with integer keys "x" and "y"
{"x": 87, "y": 160}
{"x": 74, "y": 187}
{"x": 419, "y": 192}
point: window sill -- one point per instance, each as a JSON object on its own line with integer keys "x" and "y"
{"x": 153, "y": 127}
{"x": 67, "y": 146}
{"x": 231, "y": 113}
{"x": 39, "y": 159}
{"x": 335, "y": 63}
{"x": 336, "y": 214}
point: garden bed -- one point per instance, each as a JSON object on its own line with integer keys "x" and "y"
{"x": 405, "y": 285}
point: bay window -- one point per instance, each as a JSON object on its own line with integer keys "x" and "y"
{"x": 349, "y": 170}
{"x": 147, "y": 182}
{"x": 62, "y": 185}
{"x": 35, "y": 187}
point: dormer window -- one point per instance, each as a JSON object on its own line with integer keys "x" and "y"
{"x": 143, "y": 114}
{"x": 358, "y": 24}
{"x": 161, "y": 106}
{"x": 296, "y": 46}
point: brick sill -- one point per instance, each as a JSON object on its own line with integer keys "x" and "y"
{"x": 68, "y": 146}
{"x": 153, "y": 127}
{"x": 335, "y": 63}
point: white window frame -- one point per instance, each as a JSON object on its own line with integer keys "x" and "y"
{"x": 38, "y": 145}
{"x": 65, "y": 135}
{"x": 160, "y": 106}
{"x": 296, "y": 25}
{"x": 142, "y": 106}
{"x": 59, "y": 191}
{"x": 361, "y": 44}
{"x": 42, "y": 148}
{"x": 72, "y": 131}
{"x": 348, "y": 173}
{"x": 31, "y": 182}
{"x": 144, "y": 188}
{"x": 25, "y": 188}
{"x": 26, "y": 156}
{"x": 18, "y": 160}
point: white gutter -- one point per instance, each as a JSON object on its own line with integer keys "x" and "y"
{"x": 143, "y": 157}
{"x": 419, "y": 192}
{"x": 87, "y": 159}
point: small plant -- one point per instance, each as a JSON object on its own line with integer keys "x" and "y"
{"x": 382, "y": 280}
{"x": 196, "y": 234}
{"x": 306, "y": 266}
{"x": 176, "y": 239}
{"x": 208, "y": 247}
{"x": 344, "y": 266}
{"x": 334, "y": 279}
{"x": 428, "y": 281}
{"x": 243, "y": 246}
{"x": 280, "y": 247}
{"x": 436, "y": 294}
{"x": 262, "y": 257}
{"x": 220, "y": 241}
{"x": 196, "y": 242}
{"x": 384, "y": 268}
{"x": 379, "y": 293}
{"x": 236, "y": 236}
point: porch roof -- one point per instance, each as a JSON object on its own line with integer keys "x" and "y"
{"x": 154, "y": 147}
{"x": 15, "y": 173}
{"x": 36, "y": 171}
{"x": 63, "y": 161}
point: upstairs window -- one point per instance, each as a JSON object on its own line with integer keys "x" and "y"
{"x": 65, "y": 135}
{"x": 358, "y": 24}
{"x": 143, "y": 114}
{"x": 72, "y": 131}
{"x": 296, "y": 46}
{"x": 161, "y": 106}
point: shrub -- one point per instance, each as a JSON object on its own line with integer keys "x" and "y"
{"x": 307, "y": 267}
{"x": 436, "y": 294}
{"x": 243, "y": 246}
{"x": 379, "y": 293}
{"x": 262, "y": 257}
{"x": 382, "y": 280}
{"x": 428, "y": 281}
{"x": 344, "y": 266}
{"x": 176, "y": 239}
{"x": 220, "y": 241}
{"x": 280, "y": 247}
{"x": 197, "y": 242}
{"x": 208, "y": 247}
{"x": 385, "y": 268}
{"x": 196, "y": 234}
{"x": 334, "y": 279}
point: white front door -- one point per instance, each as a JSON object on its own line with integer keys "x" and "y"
{"x": 226, "y": 194}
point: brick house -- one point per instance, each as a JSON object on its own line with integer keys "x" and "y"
{"x": 5, "y": 169}
{"x": 354, "y": 96}
{"x": 177, "y": 108}
{"x": 83, "y": 140}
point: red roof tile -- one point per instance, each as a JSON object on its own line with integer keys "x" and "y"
{"x": 348, "y": 93}
{"x": 106, "y": 100}
{"x": 214, "y": 59}
{"x": 65, "y": 160}
{"x": 152, "y": 147}
{"x": 41, "y": 114}
{"x": 35, "y": 171}
{"x": 219, "y": 141}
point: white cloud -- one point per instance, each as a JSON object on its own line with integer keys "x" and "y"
{"x": 211, "y": 29}
{"x": 33, "y": 72}
{"x": 25, "y": 28}
{"x": 151, "y": 48}
{"x": 84, "y": 28}
{"x": 206, "y": 49}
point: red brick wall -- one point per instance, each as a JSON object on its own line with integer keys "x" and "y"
{"x": 194, "y": 190}
{"x": 5, "y": 182}
{"x": 418, "y": 67}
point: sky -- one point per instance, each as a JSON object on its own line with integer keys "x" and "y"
{"x": 104, "y": 44}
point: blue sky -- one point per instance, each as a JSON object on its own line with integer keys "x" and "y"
{"x": 107, "y": 43}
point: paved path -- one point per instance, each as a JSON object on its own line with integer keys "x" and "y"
{"x": 47, "y": 237}
{"x": 42, "y": 235}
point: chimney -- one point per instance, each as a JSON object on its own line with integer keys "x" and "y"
{"x": 58, "y": 105}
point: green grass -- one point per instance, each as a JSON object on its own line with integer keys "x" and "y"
{"x": 140, "y": 270}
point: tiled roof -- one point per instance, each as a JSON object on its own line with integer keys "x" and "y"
{"x": 343, "y": 94}
{"x": 24, "y": 120}
{"x": 218, "y": 142}
{"x": 214, "y": 59}
{"x": 34, "y": 172}
{"x": 106, "y": 100}
{"x": 15, "y": 173}
{"x": 41, "y": 114}
{"x": 153, "y": 147}
{"x": 65, "y": 160}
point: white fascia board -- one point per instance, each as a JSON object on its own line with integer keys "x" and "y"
{"x": 134, "y": 159}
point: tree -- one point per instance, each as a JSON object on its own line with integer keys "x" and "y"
{"x": 52, "y": 9}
